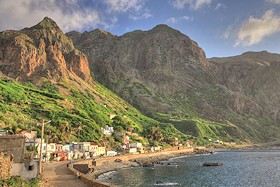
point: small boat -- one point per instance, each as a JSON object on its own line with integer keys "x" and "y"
{"x": 160, "y": 183}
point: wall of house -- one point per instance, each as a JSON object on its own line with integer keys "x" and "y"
{"x": 26, "y": 170}
{"x": 5, "y": 165}
{"x": 13, "y": 144}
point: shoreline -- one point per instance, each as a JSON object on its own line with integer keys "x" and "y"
{"x": 112, "y": 164}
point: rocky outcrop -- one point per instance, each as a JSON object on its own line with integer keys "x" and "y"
{"x": 41, "y": 51}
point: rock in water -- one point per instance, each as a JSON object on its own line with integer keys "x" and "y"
{"x": 212, "y": 164}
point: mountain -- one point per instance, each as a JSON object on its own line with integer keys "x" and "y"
{"x": 43, "y": 76}
{"x": 166, "y": 75}
{"x": 41, "y": 51}
{"x": 254, "y": 77}
{"x": 147, "y": 68}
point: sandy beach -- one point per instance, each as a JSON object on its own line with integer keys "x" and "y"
{"x": 108, "y": 164}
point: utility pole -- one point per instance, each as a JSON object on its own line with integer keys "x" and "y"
{"x": 41, "y": 146}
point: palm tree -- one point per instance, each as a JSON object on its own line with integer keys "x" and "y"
{"x": 79, "y": 129}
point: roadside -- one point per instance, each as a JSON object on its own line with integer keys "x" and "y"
{"x": 56, "y": 174}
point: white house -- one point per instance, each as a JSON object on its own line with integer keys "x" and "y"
{"x": 133, "y": 150}
{"x": 111, "y": 153}
{"x": 101, "y": 151}
{"x": 93, "y": 149}
{"x": 135, "y": 145}
{"x": 67, "y": 148}
{"x": 81, "y": 146}
{"x": 107, "y": 130}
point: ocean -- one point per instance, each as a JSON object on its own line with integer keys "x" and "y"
{"x": 240, "y": 169}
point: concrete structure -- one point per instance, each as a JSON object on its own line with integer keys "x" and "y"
{"x": 3, "y": 132}
{"x": 58, "y": 147}
{"x": 67, "y": 148}
{"x": 93, "y": 149}
{"x": 27, "y": 169}
{"x": 132, "y": 150}
{"x": 101, "y": 151}
{"x": 135, "y": 145}
{"x": 30, "y": 136}
{"x": 81, "y": 146}
{"x": 111, "y": 153}
{"x": 107, "y": 130}
{"x": 13, "y": 144}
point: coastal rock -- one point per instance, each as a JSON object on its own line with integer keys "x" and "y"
{"x": 212, "y": 164}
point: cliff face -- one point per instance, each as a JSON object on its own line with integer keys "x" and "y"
{"x": 145, "y": 67}
{"x": 254, "y": 78}
{"x": 41, "y": 51}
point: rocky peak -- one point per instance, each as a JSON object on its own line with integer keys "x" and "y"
{"x": 41, "y": 51}
{"x": 47, "y": 23}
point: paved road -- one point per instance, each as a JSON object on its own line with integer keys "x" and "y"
{"x": 56, "y": 174}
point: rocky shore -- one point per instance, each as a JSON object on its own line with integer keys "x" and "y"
{"x": 148, "y": 159}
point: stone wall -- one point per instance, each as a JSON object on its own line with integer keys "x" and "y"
{"x": 13, "y": 144}
{"x": 6, "y": 161}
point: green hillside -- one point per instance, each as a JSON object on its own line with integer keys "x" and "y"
{"x": 77, "y": 114}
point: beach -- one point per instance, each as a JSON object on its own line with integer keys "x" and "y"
{"x": 109, "y": 164}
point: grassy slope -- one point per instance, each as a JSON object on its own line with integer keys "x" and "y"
{"x": 24, "y": 105}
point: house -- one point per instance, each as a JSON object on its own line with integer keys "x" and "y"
{"x": 51, "y": 147}
{"x": 141, "y": 149}
{"x": 132, "y": 150}
{"x": 81, "y": 146}
{"x": 30, "y": 136}
{"x": 107, "y": 130}
{"x": 59, "y": 148}
{"x": 4, "y": 132}
{"x": 67, "y": 148}
{"x": 13, "y": 146}
{"x": 93, "y": 149}
{"x": 154, "y": 148}
{"x": 101, "y": 151}
{"x": 111, "y": 153}
{"x": 135, "y": 145}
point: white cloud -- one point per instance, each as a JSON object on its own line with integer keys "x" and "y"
{"x": 146, "y": 15}
{"x": 174, "y": 20}
{"x": 254, "y": 30}
{"x": 219, "y": 5}
{"x": 16, "y": 14}
{"x": 194, "y": 4}
{"x": 121, "y": 6}
{"x": 274, "y": 1}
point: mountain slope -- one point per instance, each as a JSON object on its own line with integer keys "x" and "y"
{"x": 150, "y": 69}
{"x": 166, "y": 75}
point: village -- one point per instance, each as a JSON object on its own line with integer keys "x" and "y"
{"x": 81, "y": 150}
{"x": 25, "y": 153}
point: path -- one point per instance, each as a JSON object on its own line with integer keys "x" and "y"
{"x": 58, "y": 175}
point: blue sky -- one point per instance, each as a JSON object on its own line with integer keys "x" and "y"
{"x": 220, "y": 27}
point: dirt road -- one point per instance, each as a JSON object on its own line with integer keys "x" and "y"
{"x": 56, "y": 174}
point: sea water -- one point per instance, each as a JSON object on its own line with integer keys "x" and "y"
{"x": 241, "y": 168}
